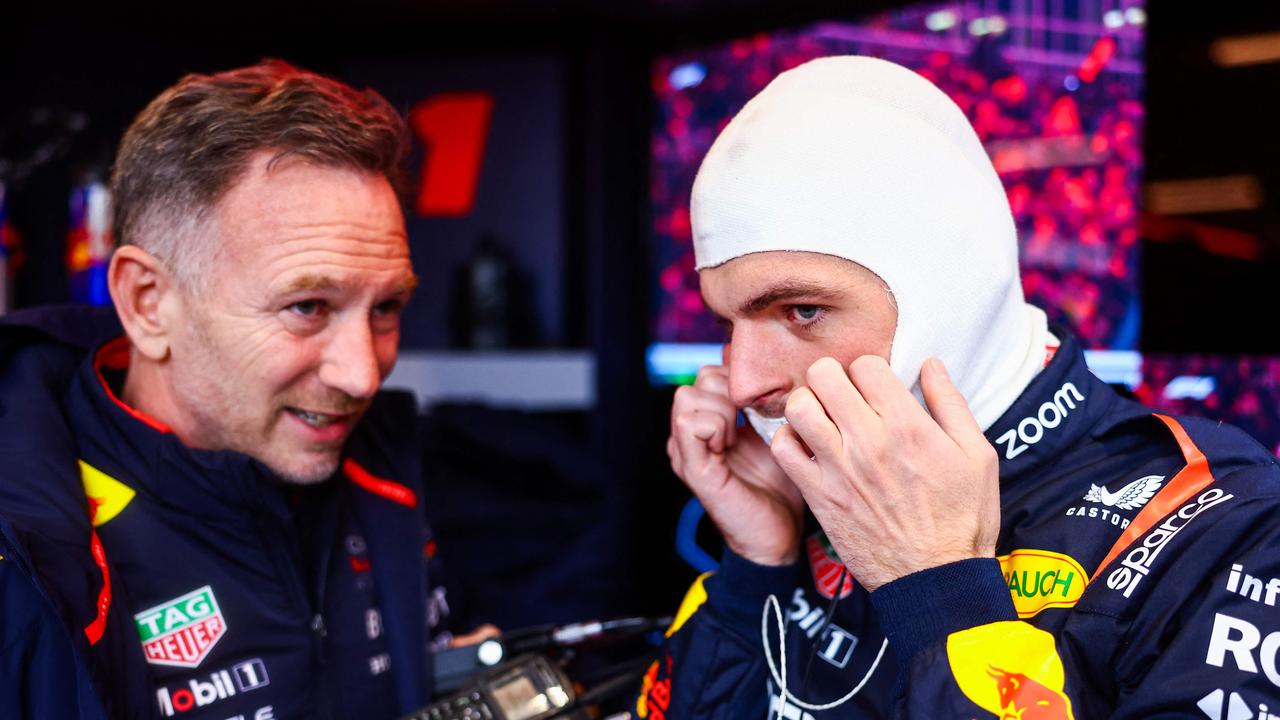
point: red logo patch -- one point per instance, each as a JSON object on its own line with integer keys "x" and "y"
{"x": 827, "y": 567}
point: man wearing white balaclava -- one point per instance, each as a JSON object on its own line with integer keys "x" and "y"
{"x": 924, "y": 195}
{"x": 952, "y": 513}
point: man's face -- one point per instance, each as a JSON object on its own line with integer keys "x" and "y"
{"x": 279, "y": 355}
{"x": 786, "y": 310}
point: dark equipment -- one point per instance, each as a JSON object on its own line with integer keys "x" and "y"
{"x": 522, "y": 674}
{"x": 527, "y": 688}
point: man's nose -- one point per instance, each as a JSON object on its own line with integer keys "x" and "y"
{"x": 351, "y": 360}
{"x": 754, "y": 371}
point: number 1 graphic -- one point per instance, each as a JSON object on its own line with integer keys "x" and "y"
{"x": 454, "y": 127}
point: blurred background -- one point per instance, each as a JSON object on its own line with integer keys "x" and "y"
{"x": 555, "y": 146}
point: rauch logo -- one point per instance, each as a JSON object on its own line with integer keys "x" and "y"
{"x": 1040, "y": 579}
{"x": 182, "y": 631}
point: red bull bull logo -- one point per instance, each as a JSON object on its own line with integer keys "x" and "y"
{"x": 1012, "y": 670}
{"x": 1022, "y": 698}
{"x": 655, "y": 694}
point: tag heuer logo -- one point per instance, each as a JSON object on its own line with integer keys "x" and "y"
{"x": 827, "y": 567}
{"x": 182, "y": 631}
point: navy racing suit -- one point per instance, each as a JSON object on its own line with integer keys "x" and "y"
{"x": 173, "y": 582}
{"x": 1137, "y": 575}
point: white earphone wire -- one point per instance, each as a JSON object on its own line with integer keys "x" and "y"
{"x": 785, "y": 694}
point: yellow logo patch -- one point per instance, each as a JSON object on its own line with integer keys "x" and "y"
{"x": 1010, "y": 669}
{"x": 107, "y": 495}
{"x": 642, "y": 702}
{"x": 1040, "y": 579}
{"x": 693, "y": 600}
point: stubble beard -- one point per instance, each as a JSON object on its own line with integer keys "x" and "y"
{"x": 315, "y": 473}
{"x": 225, "y": 428}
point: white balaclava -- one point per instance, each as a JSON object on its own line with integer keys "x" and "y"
{"x": 866, "y": 160}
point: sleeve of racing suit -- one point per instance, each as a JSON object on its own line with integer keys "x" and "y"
{"x": 712, "y": 664}
{"x": 1201, "y": 639}
{"x": 39, "y": 668}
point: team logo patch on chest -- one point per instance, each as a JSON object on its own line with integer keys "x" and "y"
{"x": 182, "y": 631}
{"x": 827, "y": 567}
{"x": 1041, "y": 579}
{"x": 1130, "y": 497}
{"x": 1106, "y": 505}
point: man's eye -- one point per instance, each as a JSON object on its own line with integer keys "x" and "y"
{"x": 390, "y": 307}
{"x": 805, "y": 313}
{"x": 307, "y": 308}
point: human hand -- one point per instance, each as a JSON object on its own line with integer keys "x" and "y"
{"x": 480, "y": 634}
{"x": 896, "y": 489}
{"x": 758, "y": 509}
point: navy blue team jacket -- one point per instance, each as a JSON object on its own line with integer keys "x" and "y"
{"x": 1138, "y": 575}
{"x": 140, "y": 578}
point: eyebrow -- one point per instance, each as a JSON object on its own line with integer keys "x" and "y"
{"x": 785, "y": 291}
{"x": 313, "y": 282}
{"x": 309, "y": 282}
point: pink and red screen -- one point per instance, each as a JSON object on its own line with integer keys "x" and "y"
{"x": 1055, "y": 93}
{"x": 1056, "y": 100}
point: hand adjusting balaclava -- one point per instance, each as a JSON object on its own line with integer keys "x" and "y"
{"x": 866, "y": 160}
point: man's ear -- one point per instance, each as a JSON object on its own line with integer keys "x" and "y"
{"x": 140, "y": 284}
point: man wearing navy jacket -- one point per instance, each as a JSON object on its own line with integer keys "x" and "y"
{"x": 937, "y": 510}
{"x": 207, "y": 508}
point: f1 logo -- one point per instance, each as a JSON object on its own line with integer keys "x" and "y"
{"x": 836, "y": 646}
{"x": 250, "y": 674}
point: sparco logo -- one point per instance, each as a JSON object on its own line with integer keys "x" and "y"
{"x": 181, "y": 632}
{"x": 1030, "y": 430}
{"x": 1137, "y": 563}
{"x": 220, "y": 685}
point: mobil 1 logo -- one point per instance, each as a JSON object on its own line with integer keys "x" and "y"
{"x": 835, "y": 645}
{"x": 205, "y": 690}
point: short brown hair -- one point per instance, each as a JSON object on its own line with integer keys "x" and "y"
{"x": 190, "y": 145}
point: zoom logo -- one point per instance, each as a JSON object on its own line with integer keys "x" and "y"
{"x": 1030, "y": 430}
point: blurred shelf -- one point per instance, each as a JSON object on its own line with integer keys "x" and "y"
{"x": 523, "y": 380}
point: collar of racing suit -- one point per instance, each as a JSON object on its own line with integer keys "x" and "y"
{"x": 1063, "y": 404}
{"x": 223, "y": 488}
{"x": 142, "y": 449}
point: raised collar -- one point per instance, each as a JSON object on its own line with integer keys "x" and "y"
{"x": 146, "y": 455}
{"x": 1062, "y": 406}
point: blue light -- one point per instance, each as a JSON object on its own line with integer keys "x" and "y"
{"x": 688, "y": 75}
{"x": 1071, "y": 83}
{"x": 678, "y": 363}
{"x": 1115, "y": 367}
{"x": 1193, "y": 387}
